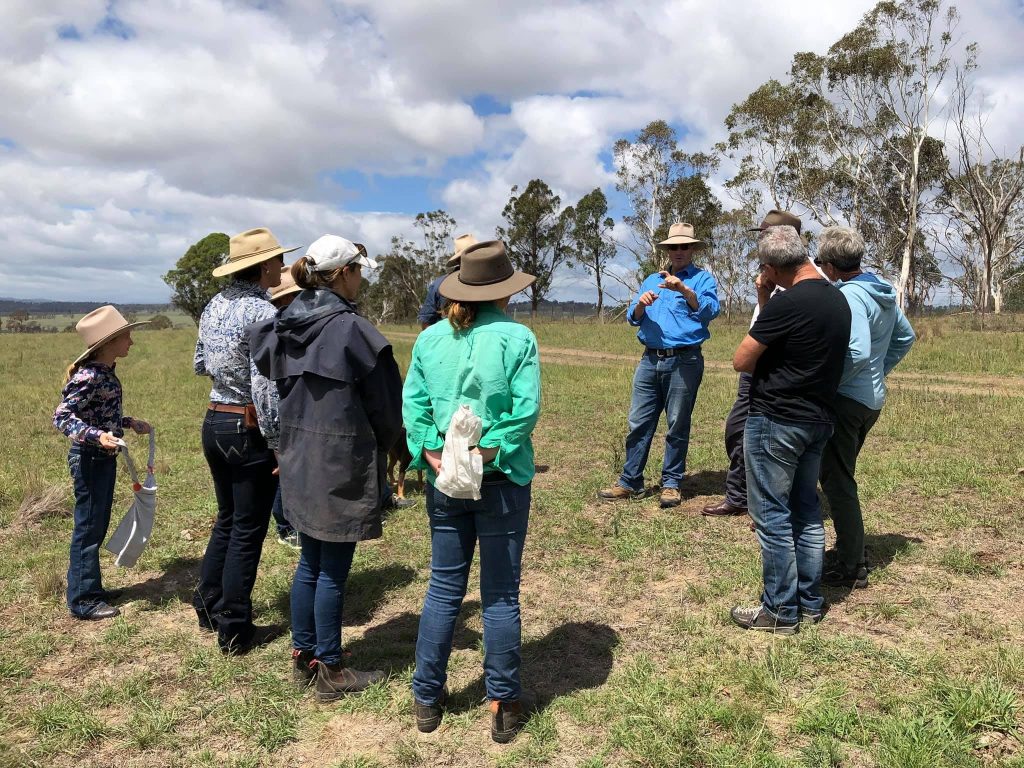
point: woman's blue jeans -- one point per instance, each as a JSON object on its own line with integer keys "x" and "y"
{"x": 93, "y": 472}
{"x": 318, "y": 596}
{"x": 783, "y": 459}
{"x": 666, "y": 384}
{"x": 499, "y": 521}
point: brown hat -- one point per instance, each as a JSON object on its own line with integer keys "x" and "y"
{"x": 100, "y": 326}
{"x": 462, "y": 242}
{"x": 776, "y": 218}
{"x": 681, "y": 233}
{"x": 287, "y": 286}
{"x": 485, "y": 274}
{"x": 248, "y": 248}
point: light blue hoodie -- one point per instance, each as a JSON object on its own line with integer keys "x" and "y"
{"x": 880, "y": 336}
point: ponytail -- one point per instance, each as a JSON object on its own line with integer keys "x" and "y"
{"x": 462, "y": 314}
{"x": 73, "y": 369}
{"x": 305, "y": 275}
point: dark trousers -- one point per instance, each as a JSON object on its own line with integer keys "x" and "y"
{"x": 838, "y": 477}
{"x": 318, "y": 596}
{"x": 284, "y": 528}
{"x": 242, "y": 468}
{"x": 735, "y": 423}
{"x": 93, "y": 472}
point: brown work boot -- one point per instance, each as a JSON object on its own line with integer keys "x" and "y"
{"x": 333, "y": 680}
{"x": 617, "y": 492}
{"x": 303, "y": 668}
{"x": 507, "y": 720}
{"x": 723, "y": 509}
{"x": 428, "y": 716}
{"x": 670, "y": 497}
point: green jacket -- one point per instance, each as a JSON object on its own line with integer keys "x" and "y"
{"x": 494, "y": 368}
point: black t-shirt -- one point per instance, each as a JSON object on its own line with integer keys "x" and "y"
{"x": 807, "y": 332}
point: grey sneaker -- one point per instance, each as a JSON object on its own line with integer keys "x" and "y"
{"x": 291, "y": 540}
{"x": 810, "y": 617}
{"x": 757, "y": 618}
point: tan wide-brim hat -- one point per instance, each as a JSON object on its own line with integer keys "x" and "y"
{"x": 682, "y": 233}
{"x": 462, "y": 242}
{"x": 485, "y": 274}
{"x": 287, "y": 286}
{"x": 99, "y": 327}
{"x": 776, "y": 218}
{"x": 253, "y": 246}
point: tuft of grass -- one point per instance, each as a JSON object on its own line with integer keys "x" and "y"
{"x": 67, "y": 722}
{"x": 967, "y": 563}
{"x": 42, "y": 502}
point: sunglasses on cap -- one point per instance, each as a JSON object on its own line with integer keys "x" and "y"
{"x": 817, "y": 262}
{"x": 679, "y": 247}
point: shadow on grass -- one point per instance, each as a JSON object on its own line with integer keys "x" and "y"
{"x": 365, "y": 592}
{"x": 881, "y": 549}
{"x": 573, "y": 657}
{"x": 704, "y": 483}
{"x": 178, "y": 581}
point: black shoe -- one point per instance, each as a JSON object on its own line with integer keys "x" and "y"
{"x": 206, "y": 624}
{"x": 507, "y": 720}
{"x": 303, "y": 668}
{"x": 259, "y": 637}
{"x": 757, "y": 618}
{"x": 810, "y": 617}
{"x": 99, "y": 612}
{"x": 838, "y": 575}
{"x": 333, "y": 680}
{"x": 428, "y": 716}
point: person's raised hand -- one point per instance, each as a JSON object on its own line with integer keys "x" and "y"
{"x": 673, "y": 283}
{"x": 763, "y": 284}
{"x": 647, "y": 298}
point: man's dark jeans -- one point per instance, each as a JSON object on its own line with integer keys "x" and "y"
{"x": 318, "y": 596}
{"x": 242, "y": 467}
{"x": 838, "y": 477}
{"x": 735, "y": 423}
{"x": 93, "y": 472}
{"x": 284, "y": 528}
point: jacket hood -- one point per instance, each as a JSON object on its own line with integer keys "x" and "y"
{"x": 879, "y": 290}
{"x": 302, "y": 320}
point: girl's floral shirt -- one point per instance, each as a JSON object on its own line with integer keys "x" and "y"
{"x": 91, "y": 405}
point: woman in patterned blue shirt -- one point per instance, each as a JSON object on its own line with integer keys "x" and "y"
{"x": 240, "y": 434}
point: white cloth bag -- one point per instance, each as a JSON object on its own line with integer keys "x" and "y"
{"x": 128, "y": 541}
{"x": 462, "y": 472}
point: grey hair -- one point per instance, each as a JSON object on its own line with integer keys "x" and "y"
{"x": 842, "y": 247}
{"x": 781, "y": 247}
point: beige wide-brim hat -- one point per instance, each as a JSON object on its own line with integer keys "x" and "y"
{"x": 682, "y": 233}
{"x": 287, "y": 286}
{"x": 485, "y": 274}
{"x": 777, "y": 218}
{"x": 253, "y": 246}
{"x": 100, "y": 326}
{"x": 462, "y": 242}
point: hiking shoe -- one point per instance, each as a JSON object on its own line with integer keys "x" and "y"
{"x": 400, "y": 502}
{"x": 617, "y": 492}
{"x": 810, "y": 617}
{"x": 428, "y": 716}
{"x": 838, "y": 575}
{"x": 757, "y": 618}
{"x": 290, "y": 540}
{"x": 507, "y": 720}
{"x": 333, "y": 680}
{"x": 303, "y": 668}
{"x": 670, "y": 497}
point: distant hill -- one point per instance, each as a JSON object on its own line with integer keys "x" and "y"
{"x": 41, "y": 307}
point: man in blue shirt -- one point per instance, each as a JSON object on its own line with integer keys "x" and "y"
{"x": 430, "y": 312}
{"x": 673, "y": 310}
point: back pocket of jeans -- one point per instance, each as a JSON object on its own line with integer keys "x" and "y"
{"x": 232, "y": 441}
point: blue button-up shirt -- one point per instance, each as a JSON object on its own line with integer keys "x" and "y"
{"x": 670, "y": 322}
{"x": 430, "y": 312}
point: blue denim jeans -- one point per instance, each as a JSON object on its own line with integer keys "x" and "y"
{"x": 782, "y": 460}
{"x": 93, "y": 472}
{"x": 318, "y": 595}
{"x": 666, "y": 384}
{"x": 499, "y": 520}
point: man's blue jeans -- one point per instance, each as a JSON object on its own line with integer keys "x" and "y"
{"x": 318, "y": 595}
{"x": 783, "y": 459}
{"x": 499, "y": 520}
{"x": 666, "y": 384}
{"x": 93, "y": 472}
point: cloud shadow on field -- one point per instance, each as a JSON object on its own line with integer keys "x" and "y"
{"x": 573, "y": 657}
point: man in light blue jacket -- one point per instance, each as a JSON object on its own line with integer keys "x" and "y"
{"x": 880, "y": 336}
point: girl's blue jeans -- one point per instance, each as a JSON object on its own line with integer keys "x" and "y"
{"x": 93, "y": 472}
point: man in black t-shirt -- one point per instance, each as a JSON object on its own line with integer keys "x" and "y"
{"x": 795, "y": 353}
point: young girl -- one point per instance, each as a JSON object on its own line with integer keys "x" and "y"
{"x": 90, "y": 414}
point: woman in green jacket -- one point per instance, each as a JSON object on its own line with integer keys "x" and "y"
{"x": 482, "y": 359}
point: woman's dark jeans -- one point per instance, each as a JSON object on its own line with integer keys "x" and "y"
{"x": 499, "y": 520}
{"x": 284, "y": 528}
{"x": 93, "y": 472}
{"x": 242, "y": 467}
{"x": 318, "y": 595}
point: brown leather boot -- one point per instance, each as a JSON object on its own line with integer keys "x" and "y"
{"x": 333, "y": 680}
{"x": 507, "y": 720}
{"x": 303, "y": 668}
{"x": 617, "y": 492}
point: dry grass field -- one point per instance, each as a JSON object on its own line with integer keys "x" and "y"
{"x": 628, "y": 647}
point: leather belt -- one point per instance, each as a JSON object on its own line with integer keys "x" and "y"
{"x": 672, "y": 352}
{"x": 225, "y": 408}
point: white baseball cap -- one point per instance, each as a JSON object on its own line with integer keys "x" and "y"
{"x": 332, "y": 252}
